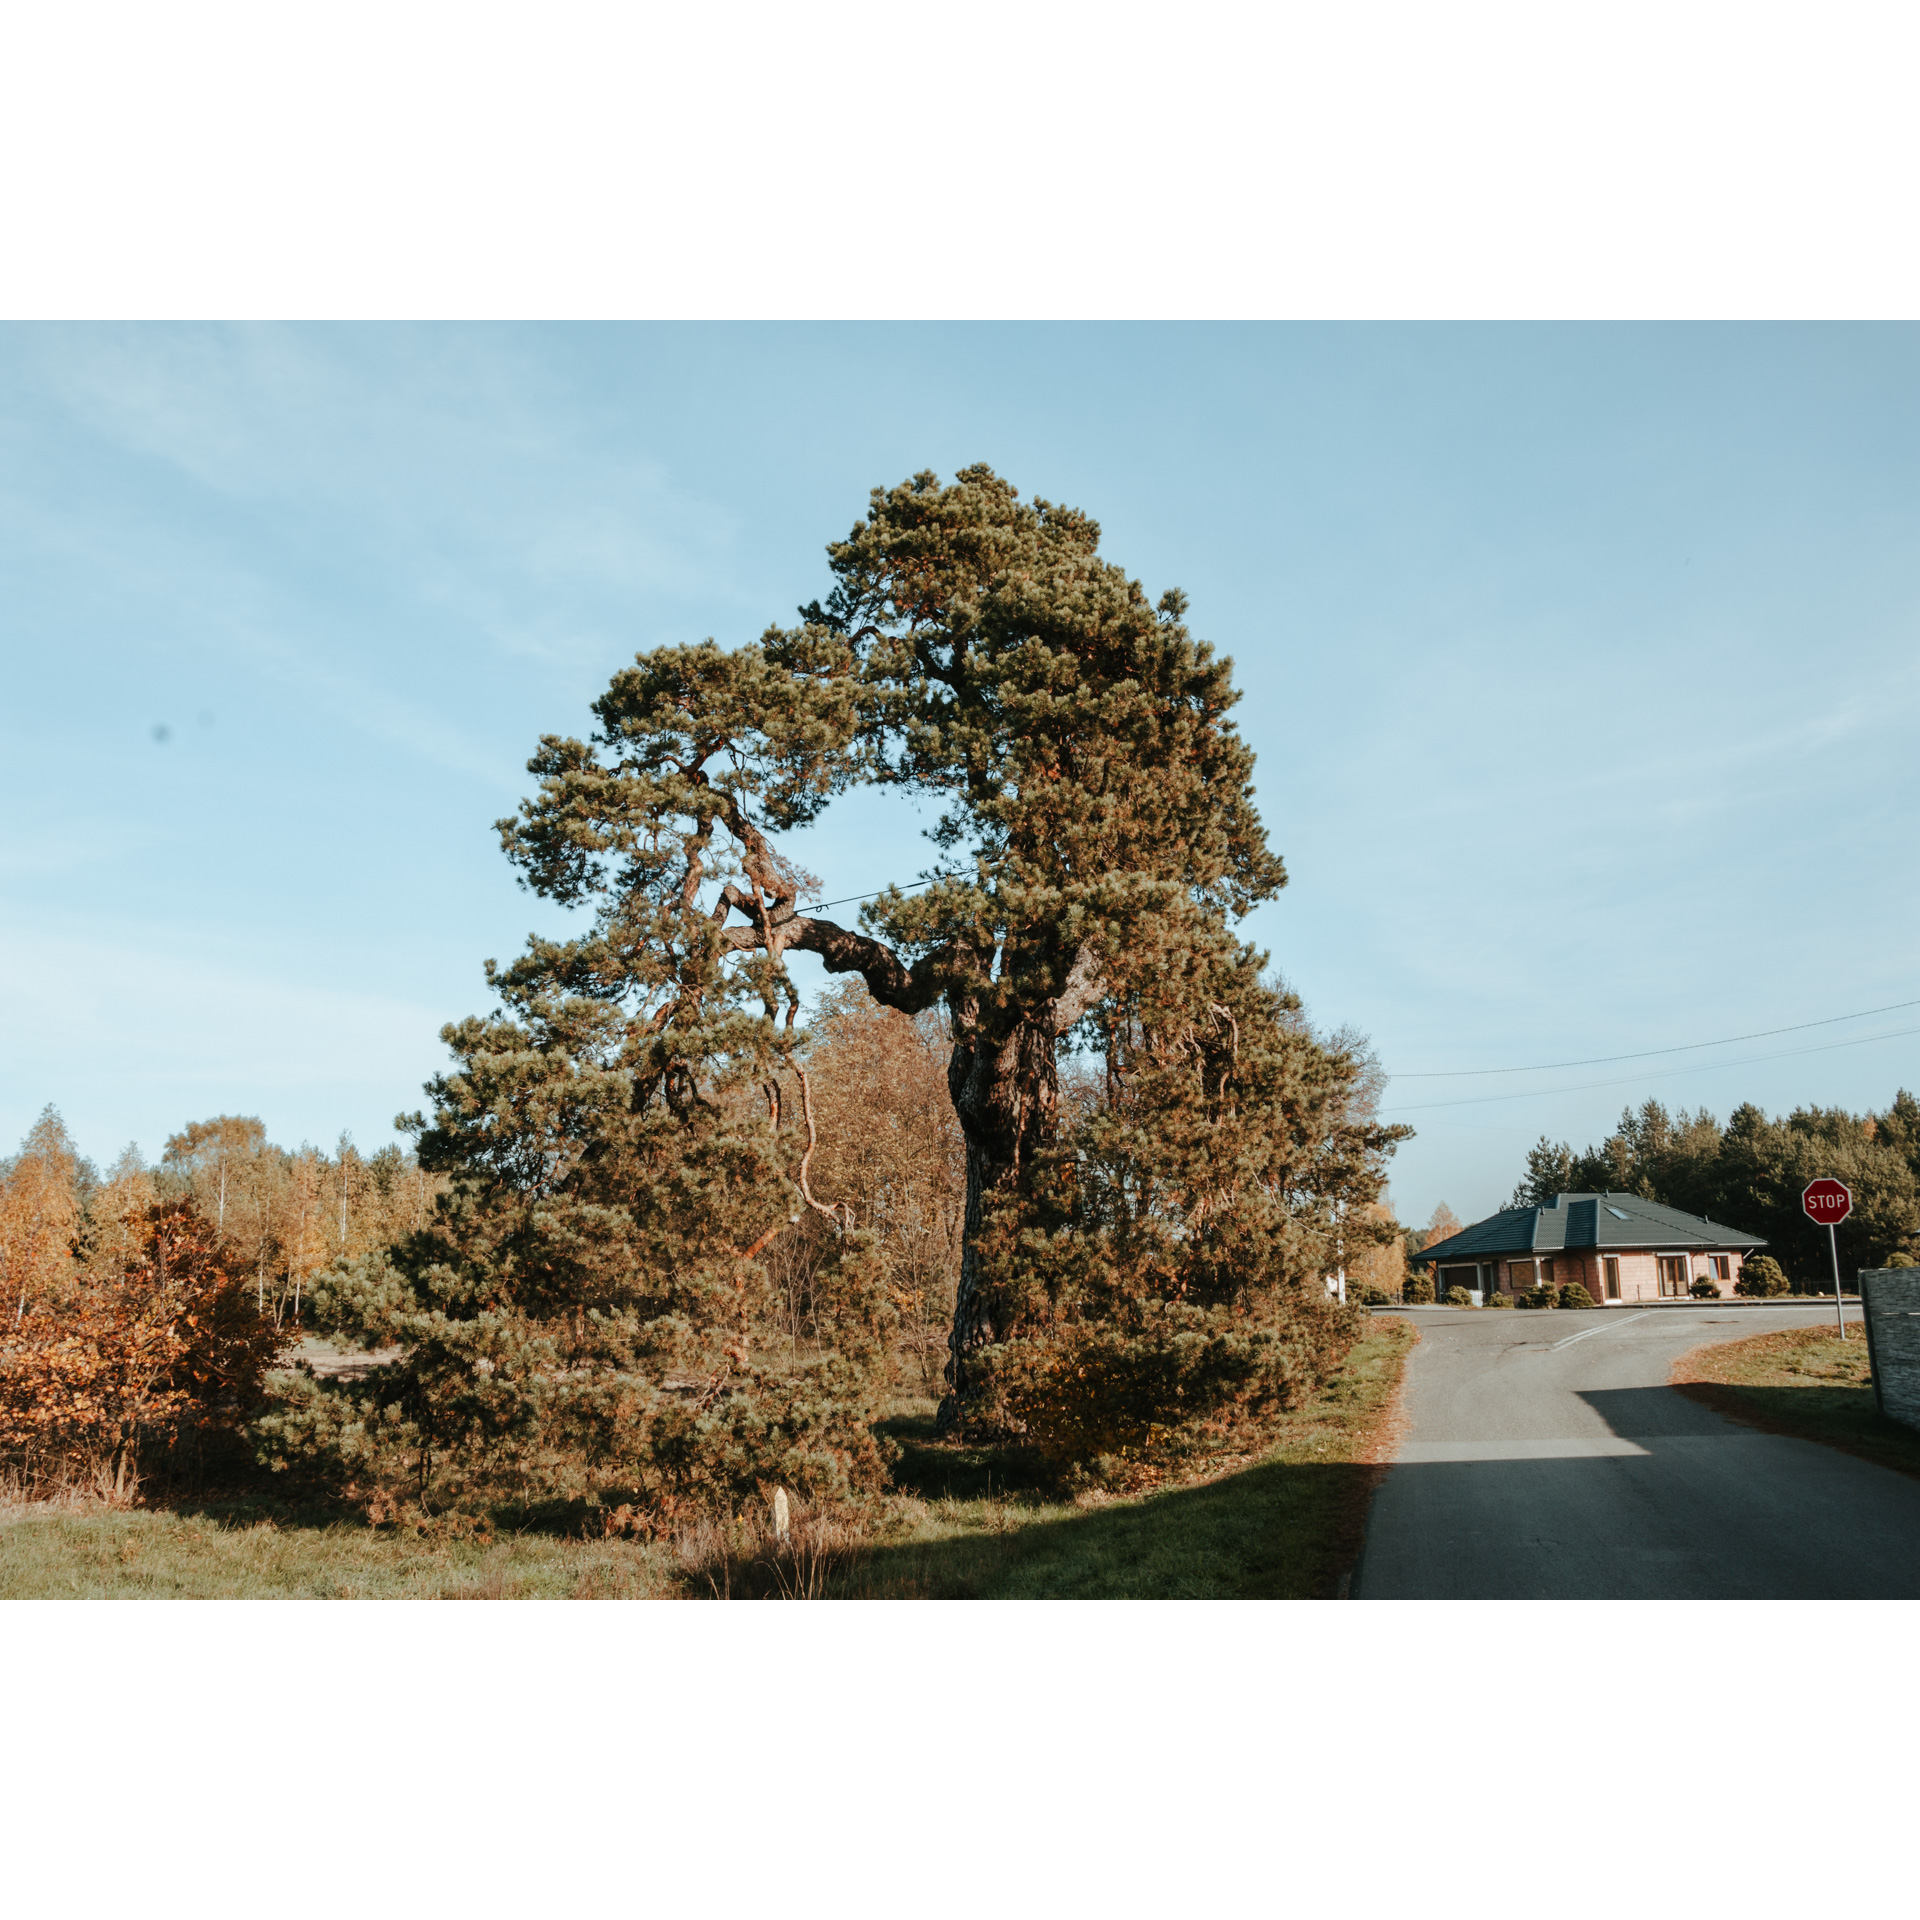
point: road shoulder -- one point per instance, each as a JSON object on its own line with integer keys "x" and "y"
{"x": 1805, "y": 1384}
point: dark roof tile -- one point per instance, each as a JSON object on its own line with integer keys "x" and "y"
{"x": 1620, "y": 1221}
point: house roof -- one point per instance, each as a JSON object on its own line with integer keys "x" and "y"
{"x": 1616, "y": 1221}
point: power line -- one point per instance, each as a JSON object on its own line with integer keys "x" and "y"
{"x": 1654, "y": 1053}
{"x": 1546, "y": 1066}
{"x": 913, "y": 886}
{"x": 1634, "y": 1080}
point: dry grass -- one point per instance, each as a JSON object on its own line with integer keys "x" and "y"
{"x": 74, "y": 1490}
{"x": 73, "y": 1552}
{"x": 1808, "y": 1384}
{"x": 742, "y": 1558}
{"x": 73, "y": 1546}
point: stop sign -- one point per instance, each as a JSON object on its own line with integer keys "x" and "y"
{"x": 1826, "y": 1202}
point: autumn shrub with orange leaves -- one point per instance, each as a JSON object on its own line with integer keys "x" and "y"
{"x": 163, "y": 1345}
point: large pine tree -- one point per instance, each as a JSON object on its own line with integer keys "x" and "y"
{"x": 632, "y": 1132}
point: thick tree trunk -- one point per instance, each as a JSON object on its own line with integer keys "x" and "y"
{"x": 1005, "y": 1086}
{"x": 1005, "y": 1094}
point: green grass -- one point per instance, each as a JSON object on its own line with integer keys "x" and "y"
{"x": 96, "y": 1554}
{"x": 1808, "y": 1384}
{"x": 1286, "y": 1525}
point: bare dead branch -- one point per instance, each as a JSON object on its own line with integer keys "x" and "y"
{"x": 806, "y": 1192}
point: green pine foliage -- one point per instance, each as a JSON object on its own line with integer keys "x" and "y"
{"x": 1141, "y": 1268}
{"x": 1097, "y": 825}
{"x": 583, "y": 1319}
{"x": 1549, "y": 1171}
{"x": 1161, "y": 1276}
{"x": 1761, "y": 1278}
{"x": 1749, "y": 1175}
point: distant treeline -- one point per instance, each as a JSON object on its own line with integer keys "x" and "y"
{"x": 143, "y": 1310}
{"x": 280, "y": 1214}
{"x": 1750, "y": 1174}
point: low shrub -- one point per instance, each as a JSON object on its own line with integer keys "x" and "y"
{"x": 1704, "y": 1289}
{"x": 1459, "y": 1297}
{"x": 1542, "y": 1296}
{"x": 1902, "y": 1260}
{"x": 1761, "y": 1278}
{"x": 1161, "y": 1385}
{"x": 1575, "y": 1295}
{"x": 1418, "y": 1292}
{"x": 1370, "y": 1296}
{"x": 163, "y": 1348}
{"x": 1499, "y": 1299}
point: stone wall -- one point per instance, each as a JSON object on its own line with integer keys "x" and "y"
{"x": 1892, "y": 1299}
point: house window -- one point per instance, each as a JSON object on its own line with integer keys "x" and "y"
{"x": 1673, "y": 1276}
{"x": 1519, "y": 1275}
{"x": 1723, "y": 1266}
{"x": 1546, "y": 1273}
{"x": 1613, "y": 1278}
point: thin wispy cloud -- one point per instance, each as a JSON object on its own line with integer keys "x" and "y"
{"x": 132, "y": 1034}
{"x": 1564, "y": 650}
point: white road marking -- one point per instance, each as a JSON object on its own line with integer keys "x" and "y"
{"x": 1418, "y": 1452}
{"x": 1623, "y": 1321}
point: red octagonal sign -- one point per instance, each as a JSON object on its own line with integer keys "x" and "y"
{"x": 1827, "y": 1202}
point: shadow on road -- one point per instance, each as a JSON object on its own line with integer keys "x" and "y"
{"x": 1670, "y": 1502}
{"x": 1835, "y": 1416}
{"x": 1651, "y": 1413}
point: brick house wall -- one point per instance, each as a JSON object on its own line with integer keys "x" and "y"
{"x": 1639, "y": 1272}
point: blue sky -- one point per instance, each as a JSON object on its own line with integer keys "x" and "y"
{"x": 1580, "y": 662}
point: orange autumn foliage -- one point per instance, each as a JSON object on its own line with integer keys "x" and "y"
{"x": 39, "y": 1216}
{"x": 167, "y": 1340}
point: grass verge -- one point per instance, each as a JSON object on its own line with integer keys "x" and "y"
{"x": 96, "y": 1553}
{"x": 1286, "y": 1524}
{"x": 1806, "y": 1384}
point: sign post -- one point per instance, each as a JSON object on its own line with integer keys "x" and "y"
{"x": 1827, "y": 1203}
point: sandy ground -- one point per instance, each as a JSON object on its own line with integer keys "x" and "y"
{"x": 330, "y": 1361}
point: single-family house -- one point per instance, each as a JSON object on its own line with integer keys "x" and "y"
{"x": 1619, "y": 1247}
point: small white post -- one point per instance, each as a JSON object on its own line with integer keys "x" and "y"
{"x": 779, "y": 1513}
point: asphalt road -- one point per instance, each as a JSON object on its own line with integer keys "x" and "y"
{"x": 1547, "y": 1458}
